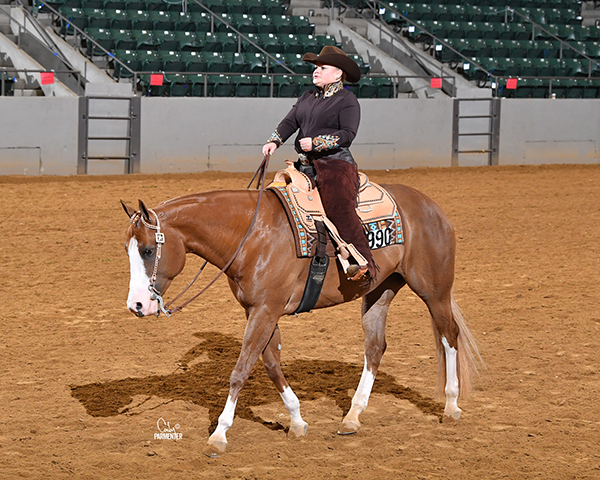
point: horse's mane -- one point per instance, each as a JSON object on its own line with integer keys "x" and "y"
{"x": 193, "y": 198}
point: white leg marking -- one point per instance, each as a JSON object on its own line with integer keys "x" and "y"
{"x": 351, "y": 423}
{"x": 451, "y": 389}
{"x": 363, "y": 391}
{"x": 225, "y": 422}
{"x": 298, "y": 427}
{"x": 139, "y": 283}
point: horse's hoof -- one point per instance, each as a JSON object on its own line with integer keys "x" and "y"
{"x": 297, "y": 431}
{"x": 215, "y": 449}
{"x": 452, "y": 416}
{"x": 348, "y": 428}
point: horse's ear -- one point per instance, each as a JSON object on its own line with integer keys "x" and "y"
{"x": 144, "y": 211}
{"x": 128, "y": 210}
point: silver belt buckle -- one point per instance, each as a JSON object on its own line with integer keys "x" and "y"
{"x": 303, "y": 159}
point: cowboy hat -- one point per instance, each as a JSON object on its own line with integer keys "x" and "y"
{"x": 335, "y": 56}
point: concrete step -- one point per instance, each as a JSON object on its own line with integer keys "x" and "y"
{"x": 311, "y": 12}
{"x": 305, "y": 4}
{"x": 357, "y": 24}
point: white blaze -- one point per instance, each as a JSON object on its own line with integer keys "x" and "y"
{"x": 139, "y": 283}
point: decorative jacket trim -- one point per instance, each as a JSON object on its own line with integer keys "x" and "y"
{"x": 325, "y": 142}
{"x": 275, "y": 138}
{"x": 330, "y": 89}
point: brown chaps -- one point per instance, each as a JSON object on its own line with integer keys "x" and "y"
{"x": 338, "y": 183}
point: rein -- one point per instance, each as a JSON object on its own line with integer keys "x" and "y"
{"x": 261, "y": 173}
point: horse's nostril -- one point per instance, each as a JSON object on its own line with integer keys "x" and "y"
{"x": 138, "y": 306}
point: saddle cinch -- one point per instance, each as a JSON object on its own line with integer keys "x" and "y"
{"x": 376, "y": 209}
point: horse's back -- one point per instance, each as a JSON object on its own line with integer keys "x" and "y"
{"x": 419, "y": 210}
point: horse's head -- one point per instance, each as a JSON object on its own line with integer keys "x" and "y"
{"x": 156, "y": 256}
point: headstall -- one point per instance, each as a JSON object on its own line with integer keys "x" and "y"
{"x": 159, "y": 238}
{"x": 260, "y": 175}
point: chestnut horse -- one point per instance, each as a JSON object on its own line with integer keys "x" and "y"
{"x": 268, "y": 281}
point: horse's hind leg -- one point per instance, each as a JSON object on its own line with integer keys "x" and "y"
{"x": 272, "y": 360}
{"x": 374, "y": 313}
{"x": 446, "y": 334}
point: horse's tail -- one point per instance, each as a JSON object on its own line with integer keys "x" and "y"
{"x": 468, "y": 358}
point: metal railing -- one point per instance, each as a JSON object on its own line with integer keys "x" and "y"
{"x": 378, "y": 8}
{"x": 5, "y": 77}
{"x": 135, "y": 74}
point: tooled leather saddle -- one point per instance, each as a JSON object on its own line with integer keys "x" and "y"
{"x": 376, "y": 209}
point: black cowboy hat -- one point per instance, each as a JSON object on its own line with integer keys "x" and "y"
{"x": 331, "y": 55}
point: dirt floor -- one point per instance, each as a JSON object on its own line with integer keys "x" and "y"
{"x": 85, "y": 385}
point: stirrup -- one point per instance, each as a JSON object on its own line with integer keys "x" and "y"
{"x": 356, "y": 272}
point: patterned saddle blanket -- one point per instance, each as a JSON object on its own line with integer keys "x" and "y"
{"x": 376, "y": 209}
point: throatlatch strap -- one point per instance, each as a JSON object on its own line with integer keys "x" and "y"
{"x": 316, "y": 274}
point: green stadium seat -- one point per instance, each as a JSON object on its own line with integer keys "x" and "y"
{"x": 224, "y": 85}
{"x": 161, "y": 36}
{"x": 305, "y": 84}
{"x": 137, "y": 15}
{"x": 255, "y": 62}
{"x": 251, "y": 7}
{"x": 185, "y": 38}
{"x": 154, "y": 90}
{"x": 99, "y": 33}
{"x": 93, "y": 13}
{"x": 286, "y": 86}
{"x": 295, "y": 62}
{"x": 216, "y": 62}
{"x": 269, "y": 41}
{"x": 274, "y": 7}
{"x": 103, "y": 38}
{"x": 237, "y": 62}
{"x": 130, "y": 59}
{"x": 385, "y": 87}
{"x": 267, "y": 87}
{"x": 575, "y": 89}
{"x": 300, "y": 25}
{"x": 144, "y": 37}
{"x": 236, "y": 7}
{"x": 367, "y": 88}
{"x": 246, "y": 86}
{"x": 244, "y": 23}
{"x": 222, "y": 22}
{"x": 76, "y": 18}
{"x": 291, "y": 43}
{"x": 180, "y": 85}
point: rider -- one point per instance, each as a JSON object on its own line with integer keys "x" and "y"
{"x": 327, "y": 119}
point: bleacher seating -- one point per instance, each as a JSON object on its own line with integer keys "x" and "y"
{"x": 157, "y": 36}
{"x": 504, "y": 42}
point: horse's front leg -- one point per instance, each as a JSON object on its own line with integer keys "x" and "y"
{"x": 374, "y": 313}
{"x": 259, "y": 330}
{"x": 272, "y": 360}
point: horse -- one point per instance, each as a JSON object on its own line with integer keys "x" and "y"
{"x": 268, "y": 281}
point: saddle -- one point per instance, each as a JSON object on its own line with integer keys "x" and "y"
{"x": 376, "y": 209}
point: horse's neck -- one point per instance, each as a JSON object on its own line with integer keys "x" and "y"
{"x": 214, "y": 223}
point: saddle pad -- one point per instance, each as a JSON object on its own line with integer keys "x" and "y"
{"x": 376, "y": 209}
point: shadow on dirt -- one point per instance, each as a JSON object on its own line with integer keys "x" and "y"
{"x": 206, "y": 383}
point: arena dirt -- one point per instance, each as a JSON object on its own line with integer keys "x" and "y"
{"x": 86, "y": 385}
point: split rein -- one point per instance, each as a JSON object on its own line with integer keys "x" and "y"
{"x": 261, "y": 173}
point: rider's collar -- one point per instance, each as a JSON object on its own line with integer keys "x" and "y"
{"x": 330, "y": 89}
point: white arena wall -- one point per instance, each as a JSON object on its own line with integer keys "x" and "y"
{"x": 38, "y": 136}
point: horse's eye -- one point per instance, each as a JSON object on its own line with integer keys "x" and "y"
{"x": 147, "y": 252}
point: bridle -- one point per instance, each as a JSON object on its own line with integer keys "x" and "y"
{"x": 159, "y": 238}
